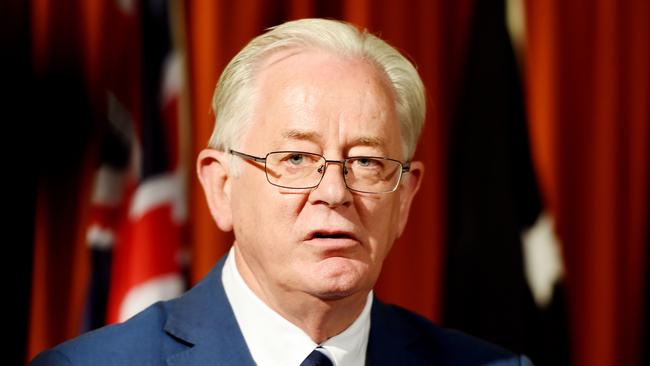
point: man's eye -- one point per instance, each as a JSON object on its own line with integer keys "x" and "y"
{"x": 367, "y": 163}
{"x": 364, "y": 162}
{"x": 296, "y": 159}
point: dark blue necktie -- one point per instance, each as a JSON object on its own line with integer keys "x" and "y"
{"x": 316, "y": 358}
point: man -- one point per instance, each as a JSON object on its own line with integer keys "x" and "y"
{"x": 310, "y": 165}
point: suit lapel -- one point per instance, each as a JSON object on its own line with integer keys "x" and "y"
{"x": 204, "y": 321}
{"x": 389, "y": 338}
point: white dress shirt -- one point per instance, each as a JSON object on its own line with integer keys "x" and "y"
{"x": 272, "y": 340}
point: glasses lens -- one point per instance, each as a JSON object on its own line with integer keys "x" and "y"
{"x": 373, "y": 175}
{"x": 293, "y": 169}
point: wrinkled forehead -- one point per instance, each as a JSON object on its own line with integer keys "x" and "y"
{"x": 306, "y": 94}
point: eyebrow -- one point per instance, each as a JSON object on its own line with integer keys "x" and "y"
{"x": 371, "y": 141}
{"x": 302, "y": 135}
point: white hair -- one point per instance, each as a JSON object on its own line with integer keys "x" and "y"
{"x": 235, "y": 92}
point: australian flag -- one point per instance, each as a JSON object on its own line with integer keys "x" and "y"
{"x": 139, "y": 207}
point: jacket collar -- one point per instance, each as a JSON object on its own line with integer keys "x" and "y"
{"x": 204, "y": 319}
{"x": 389, "y": 337}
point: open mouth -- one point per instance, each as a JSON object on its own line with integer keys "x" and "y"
{"x": 333, "y": 242}
{"x": 331, "y": 235}
{"x": 321, "y": 235}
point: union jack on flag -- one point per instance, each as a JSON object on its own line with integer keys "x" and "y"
{"x": 139, "y": 208}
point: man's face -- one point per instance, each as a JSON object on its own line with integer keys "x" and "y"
{"x": 328, "y": 242}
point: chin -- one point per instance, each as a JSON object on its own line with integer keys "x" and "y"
{"x": 338, "y": 278}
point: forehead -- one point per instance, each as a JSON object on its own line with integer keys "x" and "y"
{"x": 322, "y": 97}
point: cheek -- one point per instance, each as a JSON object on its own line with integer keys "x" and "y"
{"x": 380, "y": 218}
{"x": 248, "y": 206}
{"x": 265, "y": 212}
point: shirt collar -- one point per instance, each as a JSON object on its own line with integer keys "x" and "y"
{"x": 273, "y": 340}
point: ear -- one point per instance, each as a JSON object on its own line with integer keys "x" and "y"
{"x": 408, "y": 188}
{"x": 213, "y": 169}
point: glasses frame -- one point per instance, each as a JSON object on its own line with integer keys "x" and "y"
{"x": 404, "y": 168}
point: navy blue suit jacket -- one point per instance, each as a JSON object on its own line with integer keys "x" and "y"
{"x": 199, "y": 328}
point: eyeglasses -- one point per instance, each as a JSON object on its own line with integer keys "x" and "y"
{"x": 303, "y": 170}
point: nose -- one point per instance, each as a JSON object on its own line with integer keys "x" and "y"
{"x": 332, "y": 190}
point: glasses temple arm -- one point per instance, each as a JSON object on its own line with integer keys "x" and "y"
{"x": 246, "y": 156}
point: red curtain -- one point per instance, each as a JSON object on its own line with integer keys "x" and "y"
{"x": 61, "y": 49}
{"x": 588, "y": 81}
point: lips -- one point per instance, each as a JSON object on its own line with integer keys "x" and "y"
{"x": 332, "y": 241}
{"x": 331, "y": 234}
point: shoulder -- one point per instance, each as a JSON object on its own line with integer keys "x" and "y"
{"x": 139, "y": 340}
{"x": 423, "y": 342}
{"x": 161, "y": 333}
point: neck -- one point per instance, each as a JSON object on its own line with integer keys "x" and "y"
{"x": 319, "y": 317}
